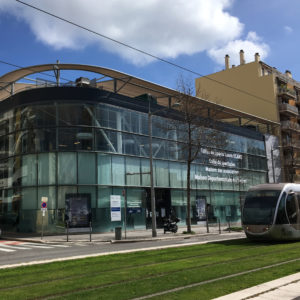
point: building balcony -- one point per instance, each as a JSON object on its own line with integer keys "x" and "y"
{"x": 297, "y": 178}
{"x": 286, "y": 93}
{"x": 290, "y": 126}
{"x": 292, "y": 162}
{"x": 288, "y": 110}
{"x": 291, "y": 144}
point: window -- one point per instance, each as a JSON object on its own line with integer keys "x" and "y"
{"x": 291, "y": 208}
{"x": 46, "y": 168}
{"x": 281, "y": 214}
{"x": 67, "y": 168}
{"x": 86, "y": 168}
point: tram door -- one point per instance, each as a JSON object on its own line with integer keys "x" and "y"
{"x": 293, "y": 209}
{"x": 162, "y": 206}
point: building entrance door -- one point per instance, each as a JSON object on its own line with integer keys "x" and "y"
{"x": 162, "y": 206}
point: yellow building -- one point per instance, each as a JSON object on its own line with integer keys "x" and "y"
{"x": 262, "y": 91}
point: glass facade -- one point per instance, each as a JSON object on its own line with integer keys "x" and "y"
{"x": 55, "y": 149}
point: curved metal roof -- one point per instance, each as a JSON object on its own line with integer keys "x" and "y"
{"x": 124, "y": 84}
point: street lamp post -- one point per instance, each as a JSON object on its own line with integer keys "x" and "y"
{"x": 152, "y": 191}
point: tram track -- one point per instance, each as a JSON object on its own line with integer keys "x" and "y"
{"x": 135, "y": 270}
{"x": 130, "y": 267}
{"x": 156, "y": 276}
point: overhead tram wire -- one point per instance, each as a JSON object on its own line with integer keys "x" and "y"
{"x": 143, "y": 52}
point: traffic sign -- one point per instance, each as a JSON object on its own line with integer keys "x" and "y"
{"x": 44, "y": 204}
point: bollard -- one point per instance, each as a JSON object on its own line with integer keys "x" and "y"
{"x": 67, "y": 231}
{"x": 90, "y": 231}
{"x": 229, "y": 230}
{"x": 219, "y": 226}
{"x": 118, "y": 233}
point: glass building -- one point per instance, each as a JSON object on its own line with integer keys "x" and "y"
{"x": 82, "y": 148}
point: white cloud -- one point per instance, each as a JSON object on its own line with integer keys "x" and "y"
{"x": 164, "y": 28}
{"x": 288, "y": 29}
{"x": 251, "y": 44}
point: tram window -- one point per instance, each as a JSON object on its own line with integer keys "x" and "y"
{"x": 291, "y": 208}
{"x": 281, "y": 214}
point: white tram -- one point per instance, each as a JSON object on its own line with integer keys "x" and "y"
{"x": 272, "y": 212}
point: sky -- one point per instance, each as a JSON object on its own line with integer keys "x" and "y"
{"x": 194, "y": 34}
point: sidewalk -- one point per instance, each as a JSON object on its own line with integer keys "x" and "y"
{"x": 285, "y": 288}
{"x": 128, "y": 236}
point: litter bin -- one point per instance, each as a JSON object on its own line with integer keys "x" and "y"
{"x": 118, "y": 233}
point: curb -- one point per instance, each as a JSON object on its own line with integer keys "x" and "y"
{"x": 113, "y": 241}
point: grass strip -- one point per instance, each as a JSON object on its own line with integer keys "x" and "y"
{"x": 231, "y": 285}
{"x": 137, "y": 290}
{"x": 55, "y": 271}
{"x": 164, "y": 275}
{"x": 92, "y": 270}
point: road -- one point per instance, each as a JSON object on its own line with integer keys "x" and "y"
{"x": 22, "y": 252}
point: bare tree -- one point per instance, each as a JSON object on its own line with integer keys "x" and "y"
{"x": 195, "y": 127}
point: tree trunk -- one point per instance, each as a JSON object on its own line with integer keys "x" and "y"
{"x": 188, "y": 179}
{"x": 188, "y": 189}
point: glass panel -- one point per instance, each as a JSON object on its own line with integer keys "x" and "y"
{"x": 107, "y": 141}
{"x": 62, "y": 191}
{"x": 25, "y": 141}
{"x": 89, "y": 190}
{"x": 29, "y": 173}
{"x": 131, "y": 144}
{"x": 50, "y": 193}
{"x": 108, "y": 116}
{"x": 15, "y": 164}
{"x": 67, "y": 168}
{"x": 104, "y": 169}
{"x": 281, "y": 213}
{"x": 75, "y": 138}
{"x": 175, "y": 175}
{"x": 29, "y": 200}
{"x": 118, "y": 170}
{"x": 136, "y": 209}
{"x": 45, "y": 139}
{"x": 4, "y": 171}
{"x": 260, "y": 206}
{"x": 4, "y": 146}
{"x": 46, "y": 168}
{"x": 86, "y": 168}
{"x": 178, "y": 204}
{"x": 38, "y": 116}
{"x": 145, "y": 168}
{"x": 33, "y": 140}
{"x": 161, "y": 173}
{"x": 103, "y": 219}
{"x": 74, "y": 114}
{"x": 291, "y": 208}
{"x": 133, "y": 172}
{"x": 159, "y": 148}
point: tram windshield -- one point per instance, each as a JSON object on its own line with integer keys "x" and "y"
{"x": 259, "y": 207}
